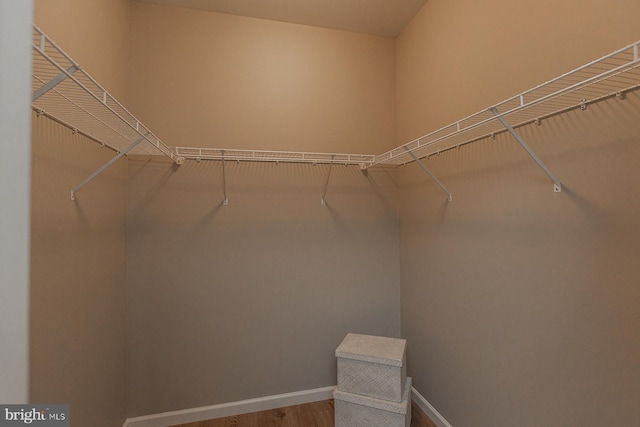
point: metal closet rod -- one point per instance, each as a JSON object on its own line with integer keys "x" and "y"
{"x": 239, "y": 155}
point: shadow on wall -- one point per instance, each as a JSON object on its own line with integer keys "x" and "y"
{"x": 264, "y": 183}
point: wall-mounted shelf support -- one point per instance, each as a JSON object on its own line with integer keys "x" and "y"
{"x": 323, "y": 202}
{"x": 422, "y": 165}
{"x": 224, "y": 180}
{"x": 106, "y": 166}
{"x": 557, "y": 186}
{"x": 54, "y": 82}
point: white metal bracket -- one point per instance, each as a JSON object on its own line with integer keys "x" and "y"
{"x": 583, "y": 104}
{"x": 53, "y": 82}
{"x": 224, "y": 180}
{"x": 557, "y": 185}
{"x": 422, "y": 165}
{"x": 106, "y": 166}
{"x": 323, "y": 202}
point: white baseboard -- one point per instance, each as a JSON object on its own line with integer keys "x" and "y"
{"x": 229, "y": 409}
{"x": 428, "y": 409}
{"x": 262, "y": 404}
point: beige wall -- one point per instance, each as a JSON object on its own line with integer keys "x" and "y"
{"x": 251, "y": 299}
{"x": 78, "y": 250}
{"x": 520, "y": 304}
{"x": 213, "y": 80}
{"x": 78, "y": 268}
{"x": 225, "y": 300}
{"x": 95, "y": 33}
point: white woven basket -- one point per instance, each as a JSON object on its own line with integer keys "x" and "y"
{"x": 372, "y": 366}
{"x": 354, "y": 410}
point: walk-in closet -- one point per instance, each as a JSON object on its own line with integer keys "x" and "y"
{"x": 218, "y": 192}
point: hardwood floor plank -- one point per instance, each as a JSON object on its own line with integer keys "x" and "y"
{"x": 315, "y": 414}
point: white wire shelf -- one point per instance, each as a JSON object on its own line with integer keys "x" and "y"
{"x": 63, "y": 91}
{"x": 364, "y": 160}
{"x": 612, "y": 75}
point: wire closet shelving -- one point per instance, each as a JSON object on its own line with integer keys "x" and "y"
{"x": 612, "y": 75}
{"x": 273, "y": 156}
{"x": 66, "y": 93}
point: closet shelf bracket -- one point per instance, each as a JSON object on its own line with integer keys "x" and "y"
{"x": 224, "y": 180}
{"x": 422, "y": 165}
{"x": 557, "y": 185}
{"x": 106, "y": 166}
{"x": 54, "y": 82}
{"x": 323, "y": 202}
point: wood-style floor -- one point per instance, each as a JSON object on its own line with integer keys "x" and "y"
{"x": 316, "y": 414}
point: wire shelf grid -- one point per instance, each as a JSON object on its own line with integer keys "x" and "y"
{"x": 65, "y": 92}
{"x": 273, "y": 156}
{"x": 611, "y": 75}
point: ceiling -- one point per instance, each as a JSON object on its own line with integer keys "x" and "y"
{"x": 379, "y": 17}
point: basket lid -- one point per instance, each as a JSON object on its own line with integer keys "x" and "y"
{"x": 369, "y": 348}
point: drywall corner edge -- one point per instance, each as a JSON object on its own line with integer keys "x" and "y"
{"x": 428, "y": 409}
{"x": 232, "y": 408}
{"x": 15, "y": 178}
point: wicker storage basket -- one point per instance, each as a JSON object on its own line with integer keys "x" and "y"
{"x": 354, "y": 410}
{"x": 372, "y": 366}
